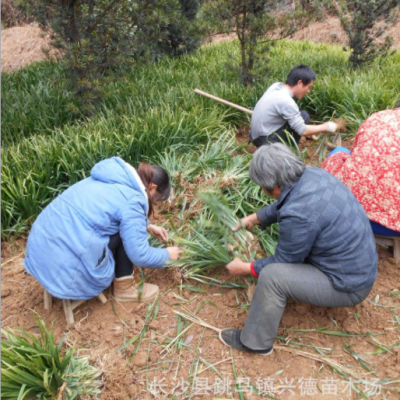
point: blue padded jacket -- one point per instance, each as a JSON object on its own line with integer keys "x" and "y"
{"x": 67, "y": 250}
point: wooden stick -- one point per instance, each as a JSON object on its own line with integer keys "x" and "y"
{"x": 246, "y": 110}
{"x": 48, "y": 300}
{"x": 228, "y": 103}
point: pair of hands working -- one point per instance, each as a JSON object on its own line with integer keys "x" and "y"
{"x": 161, "y": 235}
{"x": 237, "y": 266}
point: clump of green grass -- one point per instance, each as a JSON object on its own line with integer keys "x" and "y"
{"x": 152, "y": 109}
{"x": 224, "y": 195}
{"x": 210, "y": 241}
{"x": 37, "y": 368}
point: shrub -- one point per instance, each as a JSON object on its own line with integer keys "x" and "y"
{"x": 364, "y": 22}
{"x": 37, "y": 368}
{"x": 14, "y": 13}
{"x": 255, "y": 22}
{"x": 100, "y": 38}
{"x": 183, "y": 35}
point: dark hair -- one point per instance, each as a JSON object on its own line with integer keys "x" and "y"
{"x": 301, "y": 73}
{"x": 397, "y": 105}
{"x": 157, "y": 175}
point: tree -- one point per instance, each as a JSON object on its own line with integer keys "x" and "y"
{"x": 257, "y": 24}
{"x": 98, "y": 37}
{"x": 364, "y": 22}
{"x": 185, "y": 34}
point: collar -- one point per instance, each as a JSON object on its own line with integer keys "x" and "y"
{"x": 284, "y": 194}
{"x": 288, "y": 90}
{"x": 140, "y": 183}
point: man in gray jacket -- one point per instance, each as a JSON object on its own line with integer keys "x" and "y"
{"x": 326, "y": 253}
{"x": 277, "y": 114}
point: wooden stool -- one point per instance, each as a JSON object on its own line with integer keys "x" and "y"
{"x": 69, "y": 305}
{"x": 393, "y": 241}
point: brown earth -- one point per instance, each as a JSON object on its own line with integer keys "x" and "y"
{"x": 22, "y": 45}
{"x": 328, "y": 30}
{"x": 101, "y": 329}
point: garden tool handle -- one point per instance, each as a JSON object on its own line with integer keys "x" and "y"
{"x": 228, "y": 103}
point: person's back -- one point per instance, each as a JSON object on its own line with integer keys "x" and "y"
{"x": 272, "y": 111}
{"x": 372, "y": 170}
{"x": 67, "y": 250}
{"x": 343, "y": 243}
{"x": 276, "y": 117}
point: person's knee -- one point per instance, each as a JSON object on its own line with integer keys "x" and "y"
{"x": 270, "y": 275}
{"x": 306, "y": 116}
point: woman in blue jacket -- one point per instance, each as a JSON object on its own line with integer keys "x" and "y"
{"x": 97, "y": 229}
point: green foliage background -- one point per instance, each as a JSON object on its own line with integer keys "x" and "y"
{"x": 152, "y": 109}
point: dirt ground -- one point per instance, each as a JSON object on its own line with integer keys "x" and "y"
{"x": 101, "y": 329}
{"x": 22, "y": 45}
{"x": 327, "y": 30}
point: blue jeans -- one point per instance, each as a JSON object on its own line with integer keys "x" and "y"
{"x": 378, "y": 229}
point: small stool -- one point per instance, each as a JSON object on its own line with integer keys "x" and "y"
{"x": 69, "y": 305}
{"x": 393, "y": 241}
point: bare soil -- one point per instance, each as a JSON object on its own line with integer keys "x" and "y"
{"x": 23, "y": 45}
{"x": 327, "y": 30}
{"x": 101, "y": 329}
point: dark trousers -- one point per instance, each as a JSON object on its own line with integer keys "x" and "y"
{"x": 123, "y": 265}
{"x": 281, "y": 134}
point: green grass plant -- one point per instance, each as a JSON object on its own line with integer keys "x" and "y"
{"x": 38, "y": 368}
{"x": 152, "y": 109}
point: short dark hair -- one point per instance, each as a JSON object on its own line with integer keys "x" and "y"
{"x": 397, "y": 105}
{"x": 301, "y": 73}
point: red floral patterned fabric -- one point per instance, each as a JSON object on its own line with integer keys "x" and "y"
{"x": 372, "y": 171}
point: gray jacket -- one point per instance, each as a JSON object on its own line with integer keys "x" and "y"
{"x": 323, "y": 224}
{"x": 275, "y": 108}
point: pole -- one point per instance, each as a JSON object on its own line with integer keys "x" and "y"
{"x": 246, "y": 110}
{"x": 228, "y": 103}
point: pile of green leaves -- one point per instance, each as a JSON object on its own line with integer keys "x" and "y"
{"x": 37, "y": 368}
{"x": 210, "y": 241}
{"x": 203, "y": 225}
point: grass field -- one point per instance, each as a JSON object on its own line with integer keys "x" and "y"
{"x": 153, "y": 109}
{"x": 152, "y": 114}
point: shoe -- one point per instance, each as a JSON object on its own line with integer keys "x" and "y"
{"x": 231, "y": 338}
{"x": 125, "y": 289}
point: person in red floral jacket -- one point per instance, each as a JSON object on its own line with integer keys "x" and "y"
{"x": 371, "y": 170}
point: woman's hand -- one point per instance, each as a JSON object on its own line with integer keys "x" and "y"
{"x": 158, "y": 232}
{"x": 238, "y": 267}
{"x": 248, "y": 222}
{"x": 174, "y": 253}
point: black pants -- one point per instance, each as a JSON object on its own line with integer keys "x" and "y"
{"x": 281, "y": 134}
{"x": 123, "y": 265}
